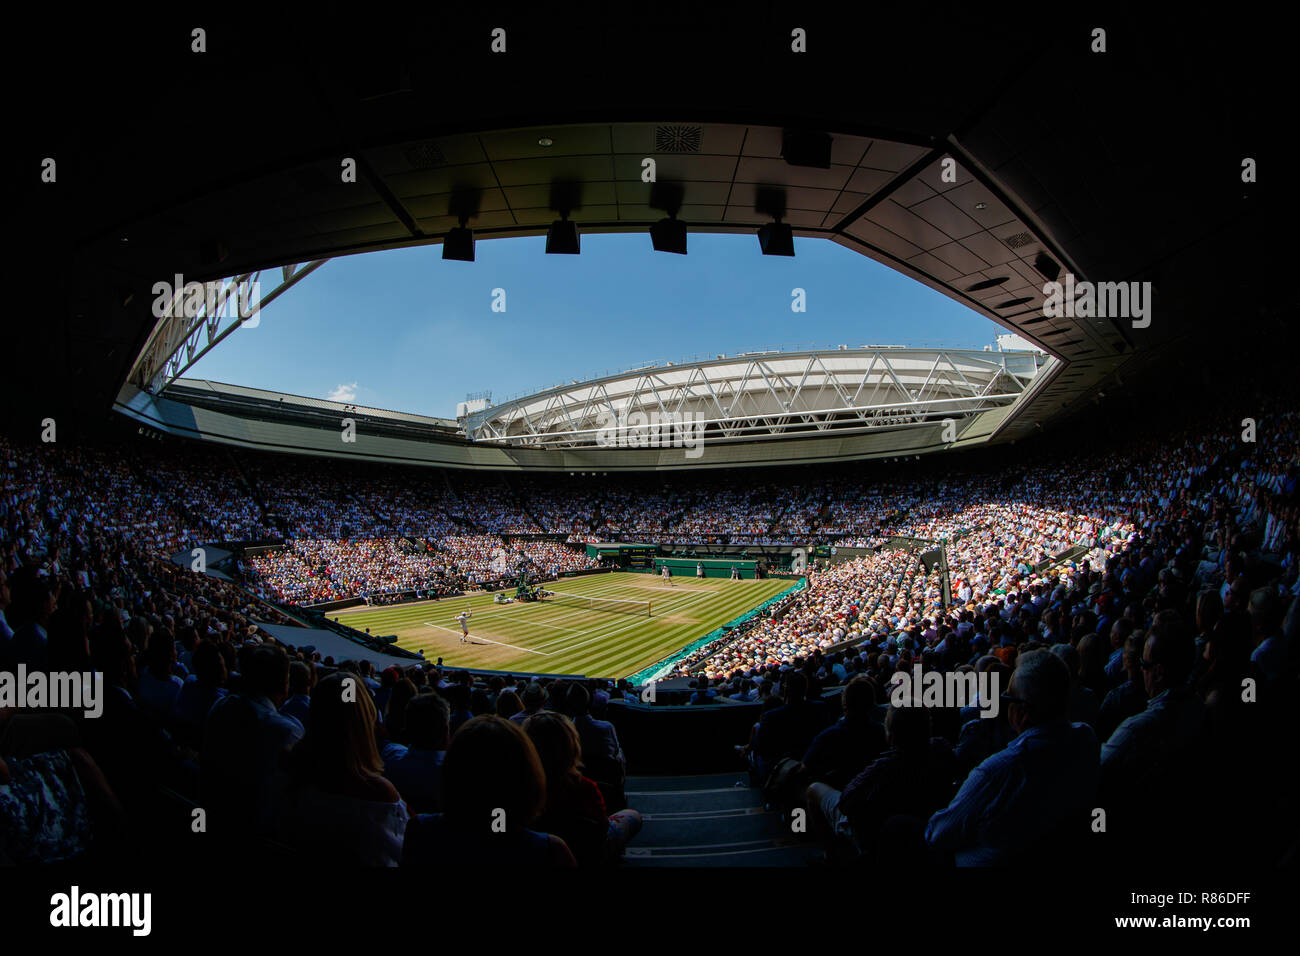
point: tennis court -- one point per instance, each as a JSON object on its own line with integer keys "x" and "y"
{"x": 598, "y": 625}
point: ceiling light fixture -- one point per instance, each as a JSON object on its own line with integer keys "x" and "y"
{"x": 669, "y": 235}
{"x": 776, "y": 239}
{"x": 458, "y": 244}
{"x": 562, "y": 238}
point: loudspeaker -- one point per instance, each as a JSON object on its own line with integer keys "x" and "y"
{"x": 776, "y": 239}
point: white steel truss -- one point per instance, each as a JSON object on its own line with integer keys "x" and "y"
{"x": 786, "y": 394}
{"x": 189, "y": 328}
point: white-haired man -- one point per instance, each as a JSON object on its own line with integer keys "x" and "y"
{"x": 1026, "y": 797}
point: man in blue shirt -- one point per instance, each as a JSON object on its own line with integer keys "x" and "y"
{"x": 1271, "y": 644}
{"x": 416, "y": 771}
{"x": 599, "y": 738}
{"x": 30, "y": 642}
{"x": 703, "y": 692}
{"x": 1021, "y": 798}
{"x": 787, "y": 731}
{"x": 1154, "y": 749}
{"x": 845, "y": 748}
{"x": 1119, "y": 632}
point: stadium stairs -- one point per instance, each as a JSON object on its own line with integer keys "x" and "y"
{"x": 522, "y": 503}
{"x": 146, "y": 479}
{"x": 776, "y": 518}
{"x": 451, "y": 491}
{"x": 250, "y": 486}
{"x": 709, "y": 820}
{"x": 382, "y": 520}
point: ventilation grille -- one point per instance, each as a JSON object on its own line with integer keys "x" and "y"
{"x": 424, "y": 155}
{"x": 678, "y": 139}
{"x": 1019, "y": 240}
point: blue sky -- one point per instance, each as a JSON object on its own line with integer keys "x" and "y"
{"x": 405, "y": 330}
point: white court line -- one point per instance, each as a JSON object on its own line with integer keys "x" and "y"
{"x": 496, "y": 616}
{"x": 608, "y": 588}
{"x": 601, "y": 627}
{"x": 557, "y": 627}
{"x": 672, "y": 587}
{"x": 672, "y": 606}
{"x": 608, "y": 634}
{"x": 504, "y": 613}
{"x": 415, "y": 605}
{"x": 511, "y": 611}
{"x": 598, "y": 637}
{"x": 507, "y": 610}
{"x": 527, "y": 650}
{"x": 576, "y": 630}
{"x": 600, "y": 633}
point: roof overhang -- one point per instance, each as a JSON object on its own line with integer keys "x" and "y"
{"x": 764, "y": 397}
{"x": 988, "y": 153}
{"x": 929, "y": 211}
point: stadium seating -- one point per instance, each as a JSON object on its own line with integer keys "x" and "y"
{"x": 1182, "y": 573}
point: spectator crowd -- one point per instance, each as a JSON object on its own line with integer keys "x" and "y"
{"x": 1125, "y": 601}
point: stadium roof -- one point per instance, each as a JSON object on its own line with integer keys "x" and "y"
{"x": 978, "y": 155}
{"x": 766, "y": 396}
{"x": 930, "y": 211}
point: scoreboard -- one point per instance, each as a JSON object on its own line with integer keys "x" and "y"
{"x": 640, "y": 557}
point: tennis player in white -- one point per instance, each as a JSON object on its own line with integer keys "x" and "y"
{"x": 463, "y": 619}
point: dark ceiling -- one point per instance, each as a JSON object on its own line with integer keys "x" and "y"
{"x": 1126, "y": 164}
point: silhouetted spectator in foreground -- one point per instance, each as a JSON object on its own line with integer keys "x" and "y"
{"x": 493, "y": 789}
{"x": 1153, "y": 758}
{"x": 575, "y": 810}
{"x": 416, "y": 768}
{"x": 788, "y": 730}
{"x": 339, "y": 806}
{"x": 1033, "y": 795}
{"x": 844, "y": 749}
{"x": 911, "y": 778}
{"x": 245, "y": 742}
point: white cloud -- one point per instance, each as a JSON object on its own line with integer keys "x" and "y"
{"x": 344, "y": 393}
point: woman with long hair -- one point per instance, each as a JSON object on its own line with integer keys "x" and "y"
{"x": 575, "y": 808}
{"x": 493, "y": 789}
{"x": 395, "y": 712}
{"x": 339, "y": 803}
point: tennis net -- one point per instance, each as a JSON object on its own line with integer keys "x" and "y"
{"x": 639, "y": 608}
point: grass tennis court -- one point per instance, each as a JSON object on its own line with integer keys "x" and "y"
{"x": 566, "y": 639}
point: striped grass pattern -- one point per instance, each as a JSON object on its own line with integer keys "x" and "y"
{"x": 560, "y": 639}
